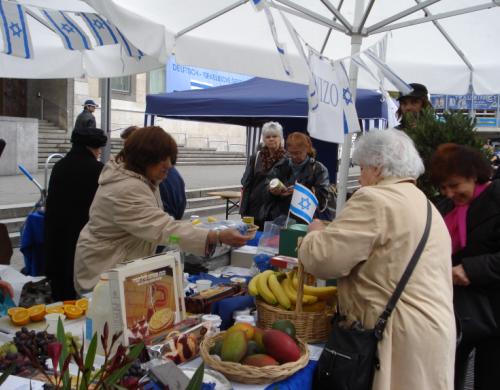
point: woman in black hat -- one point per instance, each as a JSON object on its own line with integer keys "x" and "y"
{"x": 72, "y": 186}
{"x": 412, "y": 104}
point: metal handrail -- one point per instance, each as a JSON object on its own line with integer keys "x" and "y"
{"x": 184, "y": 135}
{"x": 243, "y": 145}
{"x": 43, "y": 103}
{"x": 205, "y": 138}
{"x": 224, "y": 142}
{"x": 46, "y": 170}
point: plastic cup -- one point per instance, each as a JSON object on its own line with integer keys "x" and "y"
{"x": 203, "y": 284}
{"x": 52, "y": 320}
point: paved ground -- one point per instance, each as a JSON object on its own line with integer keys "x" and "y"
{"x": 18, "y": 189}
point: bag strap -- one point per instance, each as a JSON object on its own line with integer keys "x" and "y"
{"x": 382, "y": 320}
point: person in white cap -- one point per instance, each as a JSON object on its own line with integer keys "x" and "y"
{"x": 86, "y": 119}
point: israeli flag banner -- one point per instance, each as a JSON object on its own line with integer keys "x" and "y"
{"x": 100, "y": 29}
{"x": 335, "y": 114}
{"x": 73, "y": 37}
{"x": 304, "y": 203}
{"x": 259, "y": 5}
{"x": 16, "y": 36}
{"x": 131, "y": 50}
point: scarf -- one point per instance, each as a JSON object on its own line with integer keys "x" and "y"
{"x": 456, "y": 221}
{"x": 268, "y": 160}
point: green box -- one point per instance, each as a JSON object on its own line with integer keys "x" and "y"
{"x": 289, "y": 238}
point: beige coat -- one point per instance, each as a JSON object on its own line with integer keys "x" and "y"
{"x": 367, "y": 248}
{"x": 126, "y": 222}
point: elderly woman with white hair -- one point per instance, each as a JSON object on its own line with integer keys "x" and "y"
{"x": 259, "y": 165}
{"x": 368, "y": 247}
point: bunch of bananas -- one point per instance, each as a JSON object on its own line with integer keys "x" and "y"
{"x": 280, "y": 288}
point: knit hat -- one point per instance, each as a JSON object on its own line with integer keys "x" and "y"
{"x": 95, "y": 138}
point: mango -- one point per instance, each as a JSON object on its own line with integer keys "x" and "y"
{"x": 260, "y": 360}
{"x": 258, "y": 337}
{"x": 234, "y": 346}
{"x": 286, "y": 326}
{"x": 253, "y": 348}
{"x": 245, "y": 328}
{"x": 281, "y": 346}
{"x": 217, "y": 348}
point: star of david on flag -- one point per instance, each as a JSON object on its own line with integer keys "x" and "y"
{"x": 304, "y": 203}
{"x": 16, "y": 37}
{"x": 101, "y": 30}
{"x": 71, "y": 35}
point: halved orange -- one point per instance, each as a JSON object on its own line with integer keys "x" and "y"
{"x": 83, "y": 304}
{"x": 37, "y": 312}
{"x": 72, "y": 311}
{"x": 55, "y": 309}
{"x": 20, "y": 318}
{"x": 13, "y": 310}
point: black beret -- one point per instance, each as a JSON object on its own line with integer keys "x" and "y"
{"x": 92, "y": 137}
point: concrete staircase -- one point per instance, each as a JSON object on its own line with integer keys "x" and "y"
{"x": 198, "y": 203}
{"x": 52, "y": 139}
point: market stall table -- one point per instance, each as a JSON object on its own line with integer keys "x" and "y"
{"x": 229, "y": 197}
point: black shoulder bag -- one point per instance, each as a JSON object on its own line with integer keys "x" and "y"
{"x": 350, "y": 357}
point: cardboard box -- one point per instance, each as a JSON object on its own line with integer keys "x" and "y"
{"x": 243, "y": 256}
{"x": 146, "y": 297}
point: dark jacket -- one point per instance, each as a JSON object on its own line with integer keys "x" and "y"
{"x": 72, "y": 186}
{"x": 254, "y": 182}
{"x": 85, "y": 120}
{"x": 481, "y": 255}
{"x": 173, "y": 194}
{"x": 314, "y": 175}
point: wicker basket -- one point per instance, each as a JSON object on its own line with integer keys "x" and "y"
{"x": 249, "y": 374}
{"x": 312, "y": 327}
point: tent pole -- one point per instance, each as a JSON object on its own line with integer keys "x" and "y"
{"x": 106, "y": 117}
{"x": 345, "y": 160}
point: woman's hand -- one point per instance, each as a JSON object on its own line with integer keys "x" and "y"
{"x": 230, "y": 237}
{"x": 459, "y": 276}
{"x": 6, "y": 288}
{"x": 278, "y": 190}
{"x": 316, "y": 225}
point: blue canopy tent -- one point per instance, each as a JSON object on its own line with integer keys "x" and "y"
{"x": 253, "y": 102}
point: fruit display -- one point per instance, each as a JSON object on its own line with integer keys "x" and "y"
{"x": 35, "y": 343}
{"x": 21, "y": 316}
{"x": 270, "y": 347}
{"x": 280, "y": 289}
{"x": 9, "y": 355}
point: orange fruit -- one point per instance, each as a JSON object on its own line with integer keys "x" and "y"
{"x": 83, "y": 304}
{"x": 37, "y": 312}
{"x": 55, "y": 309}
{"x": 20, "y": 318}
{"x": 13, "y": 310}
{"x": 71, "y": 302}
{"x": 72, "y": 311}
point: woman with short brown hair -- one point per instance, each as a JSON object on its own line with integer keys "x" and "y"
{"x": 126, "y": 219}
{"x": 471, "y": 212}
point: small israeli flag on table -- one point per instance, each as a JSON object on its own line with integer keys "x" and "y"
{"x": 304, "y": 203}
{"x": 16, "y": 37}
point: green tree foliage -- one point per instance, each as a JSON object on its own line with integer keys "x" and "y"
{"x": 429, "y": 131}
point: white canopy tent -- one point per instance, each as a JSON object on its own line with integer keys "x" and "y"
{"x": 229, "y": 35}
{"x": 449, "y": 45}
{"x": 50, "y": 58}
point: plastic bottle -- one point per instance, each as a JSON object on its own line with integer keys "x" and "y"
{"x": 174, "y": 245}
{"x": 99, "y": 311}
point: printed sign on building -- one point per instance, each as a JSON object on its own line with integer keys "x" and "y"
{"x": 182, "y": 77}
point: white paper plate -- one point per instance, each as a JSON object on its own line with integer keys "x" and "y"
{"x": 211, "y": 376}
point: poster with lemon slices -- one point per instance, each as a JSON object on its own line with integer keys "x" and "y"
{"x": 146, "y": 297}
